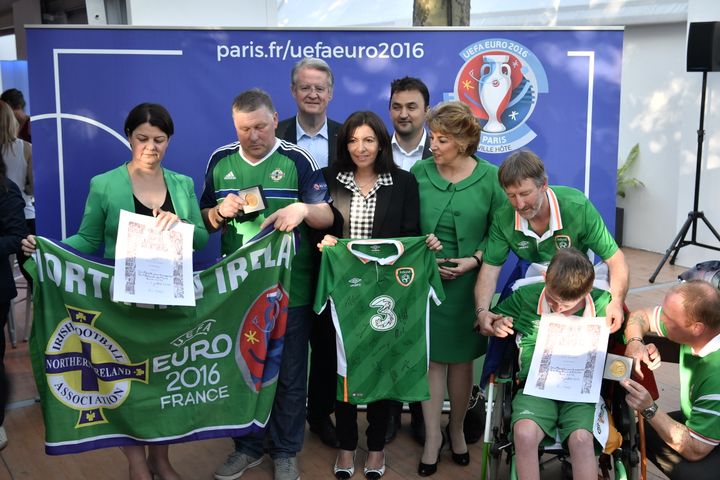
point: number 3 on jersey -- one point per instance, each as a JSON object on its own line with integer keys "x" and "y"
{"x": 385, "y": 318}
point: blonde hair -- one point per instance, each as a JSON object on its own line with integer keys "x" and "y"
{"x": 8, "y": 125}
{"x": 456, "y": 119}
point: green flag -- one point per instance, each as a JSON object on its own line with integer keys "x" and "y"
{"x": 112, "y": 374}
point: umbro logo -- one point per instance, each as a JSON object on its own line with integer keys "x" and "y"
{"x": 523, "y": 244}
{"x": 230, "y": 176}
{"x": 355, "y": 282}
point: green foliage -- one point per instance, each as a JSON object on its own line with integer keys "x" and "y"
{"x": 624, "y": 180}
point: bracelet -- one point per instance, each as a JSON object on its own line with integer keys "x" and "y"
{"x": 635, "y": 339}
{"x": 477, "y": 259}
{"x": 224, "y": 219}
{"x": 479, "y": 310}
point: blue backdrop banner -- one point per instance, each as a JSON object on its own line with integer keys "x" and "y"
{"x": 556, "y": 92}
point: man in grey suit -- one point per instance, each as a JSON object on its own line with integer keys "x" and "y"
{"x": 312, "y": 88}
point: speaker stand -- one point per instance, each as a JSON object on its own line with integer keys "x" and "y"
{"x": 694, "y": 215}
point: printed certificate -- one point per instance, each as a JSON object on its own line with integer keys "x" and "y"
{"x": 153, "y": 266}
{"x": 569, "y": 358}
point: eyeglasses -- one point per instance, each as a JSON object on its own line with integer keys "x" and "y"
{"x": 319, "y": 89}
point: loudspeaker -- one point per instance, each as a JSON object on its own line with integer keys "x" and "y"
{"x": 703, "y": 47}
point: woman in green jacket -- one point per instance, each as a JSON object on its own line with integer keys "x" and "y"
{"x": 458, "y": 194}
{"x": 141, "y": 186}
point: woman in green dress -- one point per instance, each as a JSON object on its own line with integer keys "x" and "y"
{"x": 459, "y": 193}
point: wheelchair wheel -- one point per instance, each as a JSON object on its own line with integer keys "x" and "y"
{"x": 500, "y": 448}
{"x": 627, "y": 465}
{"x": 626, "y": 460}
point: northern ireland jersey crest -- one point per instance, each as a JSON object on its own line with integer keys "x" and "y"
{"x": 277, "y": 175}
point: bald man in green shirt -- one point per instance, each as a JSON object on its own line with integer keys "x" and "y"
{"x": 537, "y": 222}
{"x": 685, "y": 443}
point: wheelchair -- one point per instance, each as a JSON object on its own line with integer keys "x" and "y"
{"x": 498, "y": 456}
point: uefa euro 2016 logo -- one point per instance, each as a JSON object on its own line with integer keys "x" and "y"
{"x": 261, "y": 338}
{"x": 87, "y": 370}
{"x": 500, "y": 82}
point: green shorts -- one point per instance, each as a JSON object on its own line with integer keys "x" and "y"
{"x": 553, "y": 416}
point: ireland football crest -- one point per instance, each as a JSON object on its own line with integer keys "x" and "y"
{"x": 86, "y": 369}
{"x": 405, "y": 276}
{"x": 563, "y": 241}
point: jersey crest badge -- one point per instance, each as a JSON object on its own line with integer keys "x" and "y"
{"x": 405, "y": 276}
{"x": 563, "y": 241}
{"x": 277, "y": 175}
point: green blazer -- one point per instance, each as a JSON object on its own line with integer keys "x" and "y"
{"x": 473, "y": 201}
{"x": 112, "y": 191}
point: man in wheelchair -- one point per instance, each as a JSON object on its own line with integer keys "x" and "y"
{"x": 568, "y": 290}
{"x": 683, "y": 444}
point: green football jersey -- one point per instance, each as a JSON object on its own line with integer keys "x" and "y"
{"x": 699, "y": 386}
{"x": 574, "y": 222}
{"x": 288, "y": 174}
{"x": 379, "y": 292}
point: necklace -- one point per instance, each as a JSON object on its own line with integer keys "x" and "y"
{"x": 366, "y": 184}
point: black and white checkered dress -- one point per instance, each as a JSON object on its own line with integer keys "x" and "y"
{"x": 362, "y": 207}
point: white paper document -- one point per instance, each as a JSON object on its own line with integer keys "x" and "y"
{"x": 153, "y": 266}
{"x": 569, "y": 358}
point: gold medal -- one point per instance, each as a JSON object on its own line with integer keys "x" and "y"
{"x": 251, "y": 199}
{"x": 618, "y": 368}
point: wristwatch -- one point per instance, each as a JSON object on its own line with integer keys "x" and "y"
{"x": 650, "y": 411}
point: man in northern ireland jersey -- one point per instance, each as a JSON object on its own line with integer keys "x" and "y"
{"x": 379, "y": 292}
{"x": 297, "y": 197}
{"x": 538, "y": 221}
{"x": 683, "y": 444}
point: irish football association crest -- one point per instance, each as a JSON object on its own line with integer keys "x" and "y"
{"x": 563, "y": 241}
{"x": 277, "y": 175}
{"x": 500, "y": 81}
{"x": 88, "y": 371}
{"x": 405, "y": 275}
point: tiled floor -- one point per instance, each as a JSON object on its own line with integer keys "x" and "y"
{"x": 24, "y": 457}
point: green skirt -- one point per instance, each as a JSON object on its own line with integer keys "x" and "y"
{"x": 452, "y": 338}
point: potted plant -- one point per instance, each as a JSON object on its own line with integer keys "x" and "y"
{"x": 625, "y": 182}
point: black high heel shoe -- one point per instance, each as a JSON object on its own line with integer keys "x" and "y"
{"x": 462, "y": 459}
{"x": 374, "y": 473}
{"x": 427, "y": 469}
{"x": 343, "y": 473}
